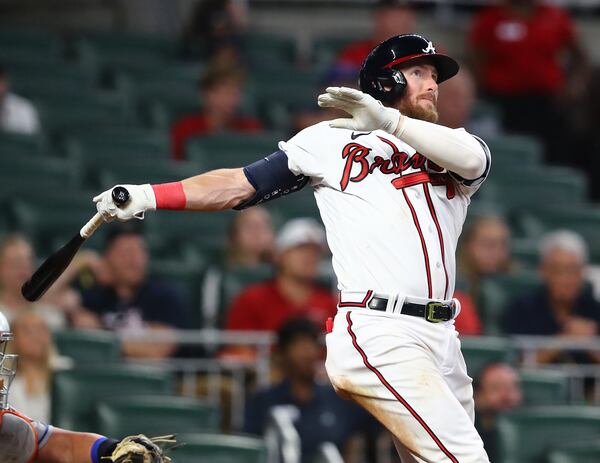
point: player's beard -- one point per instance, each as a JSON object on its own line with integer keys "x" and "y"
{"x": 418, "y": 112}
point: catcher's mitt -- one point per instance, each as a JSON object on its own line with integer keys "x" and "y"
{"x": 141, "y": 449}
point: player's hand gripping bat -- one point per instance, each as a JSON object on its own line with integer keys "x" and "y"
{"x": 55, "y": 265}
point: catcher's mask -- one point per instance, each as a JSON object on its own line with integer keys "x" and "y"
{"x": 8, "y": 362}
{"x": 379, "y": 76}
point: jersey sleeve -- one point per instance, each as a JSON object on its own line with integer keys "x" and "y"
{"x": 469, "y": 187}
{"x": 307, "y": 152}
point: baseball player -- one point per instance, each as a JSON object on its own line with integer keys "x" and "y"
{"x": 392, "y": 188}
{"x": 23, "y": 440}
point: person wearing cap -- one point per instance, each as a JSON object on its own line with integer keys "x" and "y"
{"x": 294, "y": 291}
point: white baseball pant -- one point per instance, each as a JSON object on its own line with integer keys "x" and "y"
{"x": 409, "y": 374}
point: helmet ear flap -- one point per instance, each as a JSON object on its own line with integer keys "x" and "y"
{"x": 386, "y": 85}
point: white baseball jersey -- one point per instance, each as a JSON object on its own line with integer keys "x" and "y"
{"x": 392, "y": 217}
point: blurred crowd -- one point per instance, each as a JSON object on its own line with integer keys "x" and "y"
{"x": 525, "y": 60}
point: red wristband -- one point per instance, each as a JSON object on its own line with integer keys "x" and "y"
{"x": 169, "y": 195}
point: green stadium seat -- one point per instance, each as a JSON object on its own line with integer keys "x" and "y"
{"x": 156, "y": 416}
{"x": 102, "y": 50}
{"x": 480, "y": 351}
{"x": 299, "y": 204}
{"x": 16, "y": 145}
{"x": 581, "y": 218}
{"x": 139, "y": 171}
{"x": 86, "y": 346}
{"x": 541, "y": 387}
{"x": 185, "y": 276}
{"x": 52, "y": 216}
{"x": 326, "y": 49}
{"x": 583, "y": 452}
{"x": 65, "y": 171}
{"x": 263, "y": 51}
{"x": 555, "y": 185}
{"x": 497, "y": 292}
{"x": 515, "y": 150}
{"x": 89, "y": 111}
{"x": 219, "y": 448}
{"x": 112, "y": 145}
{"x": 527, "y": 436}
{"x": 75, "y": 393}
{"x": 176, "y": 226}
{"x": 21, "y": 44}
{"x": 232, "y": 149}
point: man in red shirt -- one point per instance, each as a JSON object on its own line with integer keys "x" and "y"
{"x": 518, "y": 50}
{"x": 293, "y": 292}
{"x": 390, "y": 17}
{"x": 221, "y": 95}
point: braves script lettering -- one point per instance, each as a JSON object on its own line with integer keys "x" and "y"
{"x": 398, "y": 162}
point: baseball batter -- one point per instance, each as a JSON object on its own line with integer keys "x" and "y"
{"x": 392, "y": 189}
{"x": 23, "y": 440}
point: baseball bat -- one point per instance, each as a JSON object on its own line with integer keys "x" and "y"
{"x": 56, "y": 263}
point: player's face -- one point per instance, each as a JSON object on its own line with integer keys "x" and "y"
{"x": 420, "y": 98}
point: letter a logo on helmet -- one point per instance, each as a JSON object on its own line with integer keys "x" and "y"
{"x": 380, "y": 76}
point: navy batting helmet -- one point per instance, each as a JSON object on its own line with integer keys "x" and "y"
{"x": 378, "y": 76}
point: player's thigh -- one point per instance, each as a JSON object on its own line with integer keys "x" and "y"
{"x": 457, "y": 378}
{"x": 398, "y": 381}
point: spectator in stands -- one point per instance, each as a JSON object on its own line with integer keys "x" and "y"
{"x": 485, "y": 252}
{"x": 221, "y": 90}
{"x": 215, "y": 28}
{"x": 16, "y": 113}
{"x": 456, "y": 103}
{"x": 249, "y": 249}
{"x": 294, "y": 291}
{"x": 496, "y": 390}
{"x": 131, "y": 301}
{"x": 564, "y": 306}
{"x": 30, "y": 390}
{"x": 518, "y": 50}
{"x": 251, "y": 239}
{"x": 390, "y": 17}
{"x": 16, "y": 266}
{"x": 468, "y": 322}
{"x": 316, "y": 411}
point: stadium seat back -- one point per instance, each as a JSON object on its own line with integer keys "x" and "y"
{"x": 584, "y": 452}
{"x": 529, "y": 435}
{"x": 544, "y": 387}
{"x": 218, "y": 448}
{"x": 497, "y": 292}
{"x": 76, "y": 392}
{"x": 156, "y": 416}
{"x": 480, "y": 351}
{"x": 85, "y": 346}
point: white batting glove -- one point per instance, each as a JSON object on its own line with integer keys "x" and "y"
{"x": 368, "y": 114}
{"x": 141, "y": 199}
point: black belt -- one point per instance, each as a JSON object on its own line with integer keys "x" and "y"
{"x": 434, "y": 312}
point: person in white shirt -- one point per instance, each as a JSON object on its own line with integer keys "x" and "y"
{"x": 393, "y": 188}
{"x": 17, "y": 114}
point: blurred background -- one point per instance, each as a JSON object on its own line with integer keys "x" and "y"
{"x": 211, "y": 326}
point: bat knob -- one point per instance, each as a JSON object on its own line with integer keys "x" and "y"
{"x": 120, "y": 195}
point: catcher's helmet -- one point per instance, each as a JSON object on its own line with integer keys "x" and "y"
{"x": 378, "y": 77}
{"x": 8, "y": 363}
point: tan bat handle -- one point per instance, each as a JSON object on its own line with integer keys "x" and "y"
{"x": 89, "y": 228}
